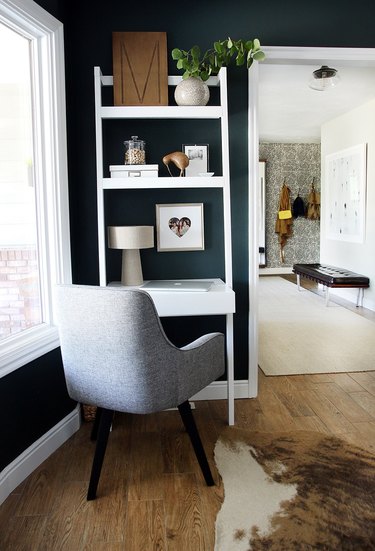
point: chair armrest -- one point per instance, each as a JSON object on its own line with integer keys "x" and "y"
{"x": 201, "y": 341}
{"x": 201, "y": 362}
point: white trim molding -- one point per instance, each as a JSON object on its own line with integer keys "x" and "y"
{"x": 45, "y": 33}
{"x": 28, "y": 346}
{"x": 253, "y": 226}
{"x": 276, "y": 271}
{"x": 362, "y": 57}
{"x": 219, "y": 391}
{"x": 17, "y": 471}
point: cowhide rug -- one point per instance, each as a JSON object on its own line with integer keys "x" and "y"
{"x": 294, "y": 492}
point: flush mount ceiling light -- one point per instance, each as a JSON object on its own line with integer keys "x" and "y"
{"x": 324, "y": 78}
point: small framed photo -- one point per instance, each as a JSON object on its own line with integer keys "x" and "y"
{"x": 198, "y": 158}
{"x": 180, "y": 227}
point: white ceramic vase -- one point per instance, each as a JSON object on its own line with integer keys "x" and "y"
{"x": 192, "y": 91}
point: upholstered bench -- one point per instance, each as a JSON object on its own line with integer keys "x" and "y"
{"x": 330, "y": 276}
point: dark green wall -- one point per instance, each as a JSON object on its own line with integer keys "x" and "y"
{"x": 57, "y": 8}
{"x": 33, "y": 399}
{"x": 35, "y": 396}
{"x": 89, "y": 42}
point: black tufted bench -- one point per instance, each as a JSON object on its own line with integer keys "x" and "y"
{"x": 330, "y": 276}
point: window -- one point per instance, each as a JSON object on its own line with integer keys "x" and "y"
{"x": 34, "y": 229}
{"x": 20, "y": 304}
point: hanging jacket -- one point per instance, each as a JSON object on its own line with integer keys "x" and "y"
{"x": 284, "y": 219}
{"x": 298, "y": 207}
{"x": 313, "y": 204}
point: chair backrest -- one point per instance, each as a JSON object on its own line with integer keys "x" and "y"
{"x": 115, "y": 352}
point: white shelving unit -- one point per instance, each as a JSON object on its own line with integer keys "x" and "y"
{"x": 163, "y": 183}
{"x": 220, "y": 112}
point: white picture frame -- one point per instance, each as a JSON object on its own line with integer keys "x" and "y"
{"x": 346, "y": 194}
{"x": 198, "y": 158}
{"x": 180, "y": 227}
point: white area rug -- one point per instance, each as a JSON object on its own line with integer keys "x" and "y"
{"x": 298, "y": 334}
{"x": 251, "y": 496}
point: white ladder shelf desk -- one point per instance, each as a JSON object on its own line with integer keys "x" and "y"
{"x": 222, "y": 299}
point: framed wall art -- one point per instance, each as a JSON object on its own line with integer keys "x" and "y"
{"x": 346, "y": 194}
{"x": 198, "y": 158}
{"x": 180, "y": 227}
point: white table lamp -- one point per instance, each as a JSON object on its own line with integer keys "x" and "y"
{"x": 130, "y": 239}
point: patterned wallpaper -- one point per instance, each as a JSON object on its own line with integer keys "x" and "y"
{"x": 298, "y": 164}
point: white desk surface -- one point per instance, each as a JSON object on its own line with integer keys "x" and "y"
{"x": 219, "y": 300}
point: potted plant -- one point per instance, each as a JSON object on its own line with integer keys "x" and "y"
{"x": 199, "y": 67}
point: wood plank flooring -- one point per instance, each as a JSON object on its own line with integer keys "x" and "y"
{"x": 151, "y": 495}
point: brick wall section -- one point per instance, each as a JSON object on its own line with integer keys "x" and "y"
{"x": 19, "y": 291}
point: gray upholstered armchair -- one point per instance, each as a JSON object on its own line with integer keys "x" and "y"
{"x": 117, "y": 357}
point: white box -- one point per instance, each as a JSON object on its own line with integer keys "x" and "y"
{"x": 134, "y": 171}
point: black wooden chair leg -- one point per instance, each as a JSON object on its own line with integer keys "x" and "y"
{"x": 106, "y": 417}
{"x": 191, "y": 427}
{"x": 95, "y": 427}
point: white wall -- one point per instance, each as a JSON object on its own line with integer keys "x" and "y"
{"x": 353, "y": 128}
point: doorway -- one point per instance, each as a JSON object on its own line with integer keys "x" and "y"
{"x": 277, "y": 60}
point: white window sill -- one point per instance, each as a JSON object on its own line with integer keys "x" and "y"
{"x": 27, "y": 346}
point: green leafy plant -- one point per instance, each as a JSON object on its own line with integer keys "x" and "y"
{"x": 196, "y": 64}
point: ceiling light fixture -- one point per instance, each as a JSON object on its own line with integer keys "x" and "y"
{"x": 324, "y": 78}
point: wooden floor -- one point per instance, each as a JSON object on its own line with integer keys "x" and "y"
{"x": 151, "y": 495}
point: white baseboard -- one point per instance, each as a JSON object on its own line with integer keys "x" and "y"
{"x": 30, "y": 459}
{"x": 219, "y": 391}
{"x": 275, "y": 271}
{"x": 369, "y": 304}
{"x": 351, "y": 296}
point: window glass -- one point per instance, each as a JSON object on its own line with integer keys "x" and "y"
{"x": 20, "y": 302}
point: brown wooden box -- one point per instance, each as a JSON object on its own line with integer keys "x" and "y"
{"x": 140, "y": 69}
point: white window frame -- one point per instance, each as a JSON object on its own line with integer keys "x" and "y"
{"x": 50, "y": 154}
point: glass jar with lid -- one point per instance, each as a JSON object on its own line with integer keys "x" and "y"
{"x": 135, "y": 151}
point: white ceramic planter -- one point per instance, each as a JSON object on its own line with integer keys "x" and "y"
{"x": 192, "y": 91}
